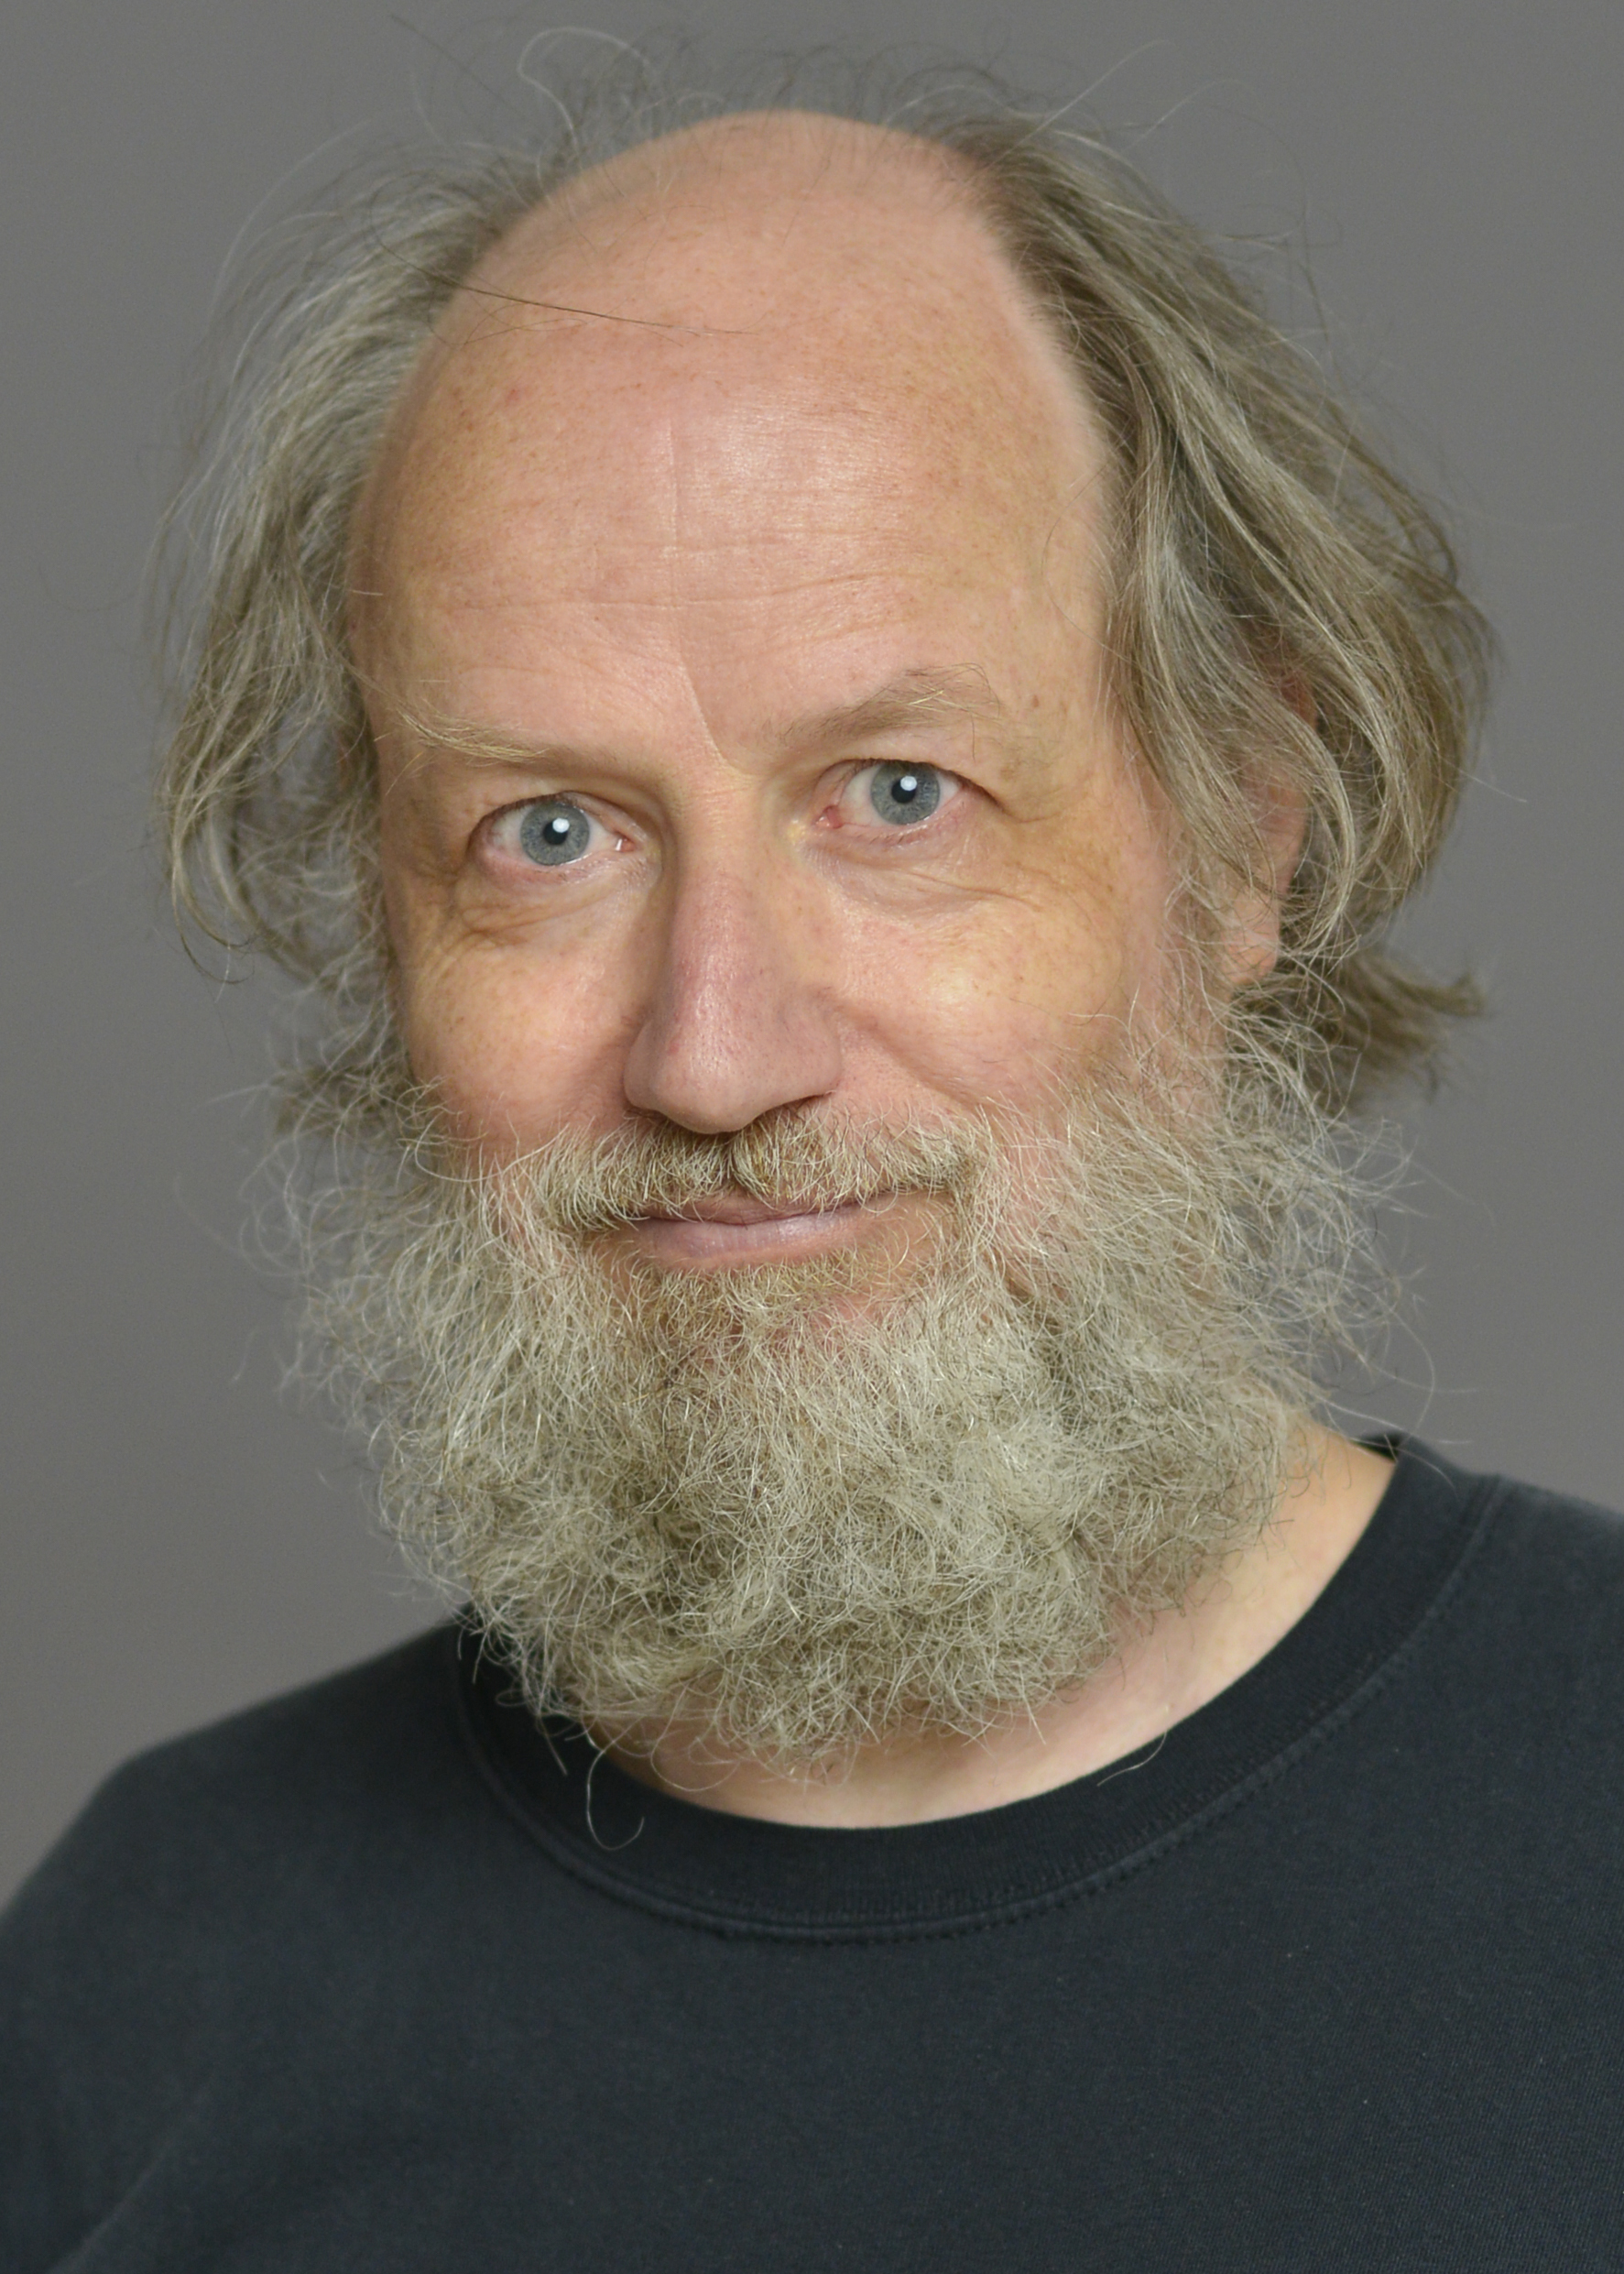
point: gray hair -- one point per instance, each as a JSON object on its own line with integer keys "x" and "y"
{"x": 1283, "y": 609}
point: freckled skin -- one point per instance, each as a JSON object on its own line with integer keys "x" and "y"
{"x": 834, "y": 449}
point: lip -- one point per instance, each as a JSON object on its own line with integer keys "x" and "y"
{"x": 739, "y": 1208}
{"x": 742, "y": 1230}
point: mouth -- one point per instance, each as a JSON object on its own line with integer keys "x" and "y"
{"x": 736, "y": 1229}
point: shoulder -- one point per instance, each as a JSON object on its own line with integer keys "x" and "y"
{"x": 361, "y": 1737}
{"x": 1548, "y": 1598}
{"x": 188, "y": 1823}
{"x": 1553, "y": 1563}
{"x": 1510, "y": 1686}
{"x": 203, "y": 1850}
{"x": 205, "y": 1878}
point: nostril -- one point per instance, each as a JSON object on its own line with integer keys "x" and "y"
{"x": 717, "y": 1066}
{"x": 738, "y": 1025}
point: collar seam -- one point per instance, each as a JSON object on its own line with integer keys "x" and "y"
{"x": 1324, "y": 1723}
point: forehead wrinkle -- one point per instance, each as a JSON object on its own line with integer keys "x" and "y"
{"x": 917, "y": 444}
{"x": 814, "y": 346}
{"x": 698, "y": 243}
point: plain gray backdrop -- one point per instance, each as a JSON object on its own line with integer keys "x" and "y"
{"x": 179, "y": 1539}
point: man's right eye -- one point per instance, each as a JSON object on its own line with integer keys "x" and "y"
{"x": 550, "y": 832}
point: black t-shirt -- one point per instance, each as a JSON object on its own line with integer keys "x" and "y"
{"x": 382, "y": 1977}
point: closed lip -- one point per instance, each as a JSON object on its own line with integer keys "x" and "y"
{"x": 742, "y": 1210}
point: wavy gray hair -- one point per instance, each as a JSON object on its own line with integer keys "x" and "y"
{"x": 1283, "y": 607}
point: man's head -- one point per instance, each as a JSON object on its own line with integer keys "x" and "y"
{"x": 740, "y": 532}
{"x": 853, "y": 736}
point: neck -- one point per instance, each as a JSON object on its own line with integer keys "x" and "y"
{"x": 1165, "y": 1669}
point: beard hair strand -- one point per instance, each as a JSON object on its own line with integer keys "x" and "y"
{"x": 801, "y": 1507}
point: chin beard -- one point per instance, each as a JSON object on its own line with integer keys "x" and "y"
{"x": 795, "y": 1508}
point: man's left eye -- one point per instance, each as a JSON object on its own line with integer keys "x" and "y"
{"x": 899, "y": 793}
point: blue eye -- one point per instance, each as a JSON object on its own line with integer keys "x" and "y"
{"x": 553, "y": 833}
{"x": 901, "y": 793}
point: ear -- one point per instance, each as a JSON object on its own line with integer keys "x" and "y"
{"x": 1281, "y": 816}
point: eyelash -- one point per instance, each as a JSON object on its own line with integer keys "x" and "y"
{"x": 948, "y": 785}
{"x": 507, "y": 822}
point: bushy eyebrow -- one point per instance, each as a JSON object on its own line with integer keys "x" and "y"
{"x": 915, "y": 700}
{"x": 442, "y": 732}
{"x": 918, "y": 699}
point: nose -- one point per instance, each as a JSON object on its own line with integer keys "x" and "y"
{"x": 738, "y": 1023}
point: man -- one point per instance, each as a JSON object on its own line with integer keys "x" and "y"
{"x": 835, "y": 721}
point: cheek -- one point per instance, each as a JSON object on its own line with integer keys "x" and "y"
{"x": 512, "y": 1048}
{"x": 1005, "y": 1010}
{"x": 1033, "y": 984}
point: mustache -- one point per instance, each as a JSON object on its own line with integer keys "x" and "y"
{"x": 787, "y": 1161}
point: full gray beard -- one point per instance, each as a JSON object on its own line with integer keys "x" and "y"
{"x": 797, "y": 1507}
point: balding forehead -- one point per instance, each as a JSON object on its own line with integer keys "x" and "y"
{"x": 797, "y": 149}
{"x": 788, "y": 231}
{"x": 815, "y": 305}
{"x": 726, "y": 170}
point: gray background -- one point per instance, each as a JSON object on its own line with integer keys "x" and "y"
{"x": 178, "y": 1539}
